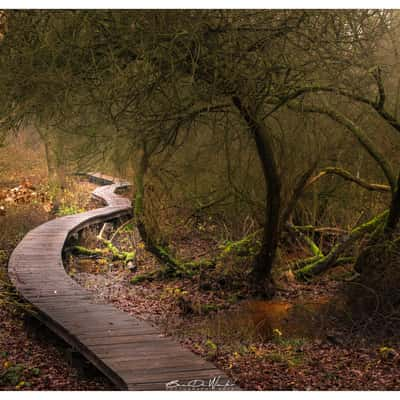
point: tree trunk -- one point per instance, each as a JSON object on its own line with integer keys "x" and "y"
{"x": 52, "y": 158}
{"x": 394, "y": 211}
{"x": 151, "y": 244}
{"x": 140, "y": 172}
{"x": 51, "y": 165}
{"x": 264, "y": 261}
{"x": 60, "y": 157}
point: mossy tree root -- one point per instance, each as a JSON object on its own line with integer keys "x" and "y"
{"x": 247, "y": 246}
{"x": 184, "y": 270}
{"x": 334, "y": 257}
{"x": 315, "y": 250}
{"x": 116, "y": 254}
{"x": 90, "y": 252}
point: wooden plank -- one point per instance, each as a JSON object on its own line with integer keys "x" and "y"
{"x": 114, "y": 331}
{"x": 136, "y": 346}
{"x": 133, "y": 336}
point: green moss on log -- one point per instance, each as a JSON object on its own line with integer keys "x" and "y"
{"x": 334, "y": 257}
{"x": 89, "y": 252}
{"x": 247, "y": 246}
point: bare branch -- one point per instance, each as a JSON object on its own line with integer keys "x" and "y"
{"x": 358, "y": 133}
{"x": 349, "y": 177}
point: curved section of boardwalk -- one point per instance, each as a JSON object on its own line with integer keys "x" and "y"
{"x": 130, "y": 352}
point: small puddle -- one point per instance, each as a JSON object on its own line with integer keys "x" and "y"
{"x": 265, "y": 319}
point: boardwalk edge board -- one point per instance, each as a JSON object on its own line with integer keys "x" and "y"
{"x": 36, "y": 269}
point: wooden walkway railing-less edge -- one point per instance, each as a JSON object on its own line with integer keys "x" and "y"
{"x": 130, "y": 352}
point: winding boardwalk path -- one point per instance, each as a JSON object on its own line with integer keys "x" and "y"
{"x": 130, "y": 352}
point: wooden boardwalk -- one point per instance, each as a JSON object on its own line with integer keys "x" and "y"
{"x": 130, "y": 352}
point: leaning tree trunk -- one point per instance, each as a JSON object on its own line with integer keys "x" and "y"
{"x": 141, "y": 168}
{"x": 264, "y": 261}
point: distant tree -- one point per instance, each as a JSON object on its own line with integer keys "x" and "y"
{"x": 36, "y": 78}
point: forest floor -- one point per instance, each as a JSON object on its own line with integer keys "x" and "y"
{"x": 301, "y": 340}
{"x": 305, "y": 339}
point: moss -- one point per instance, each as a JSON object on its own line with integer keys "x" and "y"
{"x": 373, "y": 226}
{"x": 315, "y": 250}
{"x": 129, "y": 256}
{"x": 138, "y": 204}
{"x": 313, "y": 247}
{"x": 304, "y": 262}
{"x": 117, "y": 255}
{"x": 177, "y": 269}
{"x": 190, "y": 269}
{"x": 306, "y": 272}
{"x": 166, "y": 257}
{"x": 89, "y": 252}
{"x": 141, "y": 278}
{"x": 247, "y": 246}
{"x": 125, "y": 256}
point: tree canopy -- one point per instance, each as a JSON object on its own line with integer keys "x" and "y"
{"x": 261, "y": 91}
